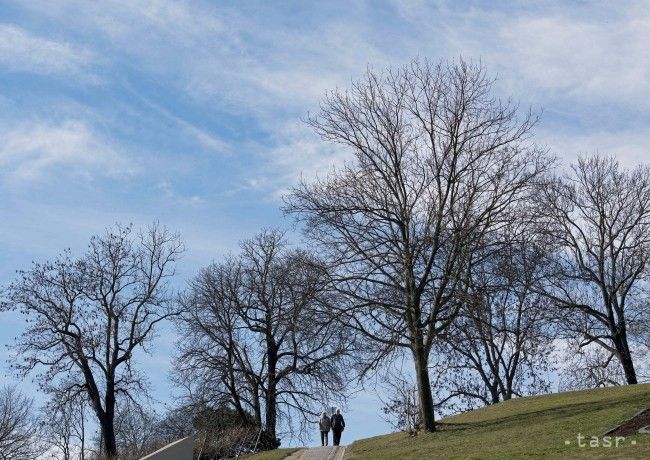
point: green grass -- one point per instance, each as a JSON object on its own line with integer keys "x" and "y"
{"x": 534, "y": 427}
{"x": 275, "y": 454}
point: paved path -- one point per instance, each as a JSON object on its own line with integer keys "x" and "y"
{"x": 320, "y": 453}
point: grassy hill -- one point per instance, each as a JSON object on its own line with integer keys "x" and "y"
{"x": 535, "y": 427}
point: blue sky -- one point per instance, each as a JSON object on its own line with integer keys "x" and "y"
{"x": 190, "y": 112}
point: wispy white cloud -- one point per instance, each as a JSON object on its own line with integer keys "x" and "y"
{"x": 629, "y": 147}
{"x": 297, "y": 154}
{"x": 239, "y": 63}
{"x": 30, "y": 150}
{"x": 582, "y": 56}
{"x": 233, "y": 56}
{"x": 239, "y": 60}
{"x": 175, "y": 197}
{"x": 293, "y": 75}
{"x": 184, "y": 23}
{"x": 153, "y": 30}
{"x": 200, "y": 135}
{"x": 23, "y": 51}
{"x": 582, "y": 52}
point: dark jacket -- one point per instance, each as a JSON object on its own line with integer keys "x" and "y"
{"x": 337, "y": 422}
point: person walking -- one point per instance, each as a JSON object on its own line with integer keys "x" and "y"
{"x": 324, "y": 424}
{"x": 338, "y": 425}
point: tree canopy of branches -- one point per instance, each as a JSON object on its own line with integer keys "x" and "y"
{"x": 18, "y": 426}
{"x": 501, "y": 343}
{"x": 438, "y": 163}
{"x": 87, "y": 316}
{"x": 588, "y": 366}
{"x": 257, "y": 335}
{"x": 598, "y": 221}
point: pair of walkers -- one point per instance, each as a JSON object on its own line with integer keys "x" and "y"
{"x": 335, "y": 423}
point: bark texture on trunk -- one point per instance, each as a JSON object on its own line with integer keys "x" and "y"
{"x": 625, "y": 357}
{"x": 424, "y": 389}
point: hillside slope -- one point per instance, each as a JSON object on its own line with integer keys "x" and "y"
{"x": 534, "y": 427}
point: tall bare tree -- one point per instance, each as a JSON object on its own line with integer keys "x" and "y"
{"x": 500, "y": 345}
{"x": 19, "y": 430}
{"x": 216, "y": 354}
{"x": 598, "y": 219}
{"x": 87, "y": 317}
{"x": 438, "y": 162}
{"x": 257, "y": 335}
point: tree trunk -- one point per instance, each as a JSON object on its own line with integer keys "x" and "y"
{"x": 424, "y": 387}
{"x": 108, "y": 423}
{"x": 624, "y": 356}
{"x": 494, "y": 393}
{"x": 271, "y": 397}
{"x": 257, "y": 407}
{"x": 108, "y": 435}
{"x": 105, "y": 415}
{"x": 271, "y": 410}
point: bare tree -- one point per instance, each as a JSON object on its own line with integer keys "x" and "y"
{"x": 598, "y": 219}
{"x": 19, "y": 430}
{"x": 399, "y": 396}
{"x": 216, "y": 355}
{"x": 137, "y": 431}
{"x": 88, "y": 316}
{"x": 257, "y": 335}
{"x": 502, "y": 340}
{"x": 65, "y": 426}
{"x": 438, "y": 163}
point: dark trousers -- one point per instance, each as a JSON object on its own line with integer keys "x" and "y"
{"x": 336, "y": 434}
{"x": 323, "y": 437}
